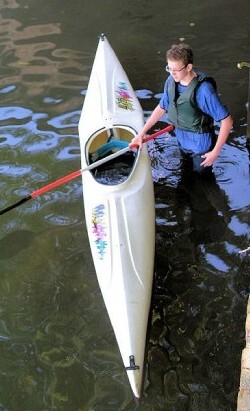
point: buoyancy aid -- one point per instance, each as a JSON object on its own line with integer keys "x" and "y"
{"x": 183, "y": 111}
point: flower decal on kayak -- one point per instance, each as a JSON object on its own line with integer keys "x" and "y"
{"x": 124, "y": 98}
{"x": 99, "y": 229}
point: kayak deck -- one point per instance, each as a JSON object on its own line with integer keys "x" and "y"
{"x": 119, "y": 206}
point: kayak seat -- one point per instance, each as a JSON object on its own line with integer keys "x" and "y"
{"x": 108, "y": 148}
{"x": 115, "y": 171}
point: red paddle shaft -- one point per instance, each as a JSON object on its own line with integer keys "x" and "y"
{"x": 154, "y": 135}
{"x": 77, "y": 173}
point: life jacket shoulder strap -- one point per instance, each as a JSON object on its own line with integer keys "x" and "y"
{"x": 203, "y": 77}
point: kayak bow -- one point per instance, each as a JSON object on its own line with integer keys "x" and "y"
{"x": 119, "y": 207}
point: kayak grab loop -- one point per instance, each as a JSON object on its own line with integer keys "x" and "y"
{"x": 132, "y": 365}
{"x": 102, "y": 36}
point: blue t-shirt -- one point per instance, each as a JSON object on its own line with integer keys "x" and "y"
{"x": 209, "y": 102}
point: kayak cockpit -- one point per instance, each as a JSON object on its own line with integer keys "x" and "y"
{"x": 106, "y": 142}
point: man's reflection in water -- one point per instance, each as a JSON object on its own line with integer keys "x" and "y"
{"x": 210, "y": 212}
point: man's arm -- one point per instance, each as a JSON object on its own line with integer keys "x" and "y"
{"x": 211, "y": 156}
{"x": 155, "y": 116}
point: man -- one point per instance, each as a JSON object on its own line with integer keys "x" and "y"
{"x": 192, "y": 104}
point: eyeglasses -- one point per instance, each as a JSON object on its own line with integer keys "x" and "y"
{"x": 169, "y": 70}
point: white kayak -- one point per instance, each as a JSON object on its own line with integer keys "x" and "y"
{"x": 119, "y": 206}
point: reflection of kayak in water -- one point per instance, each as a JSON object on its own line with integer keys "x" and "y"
{"x": 119, "y": 206}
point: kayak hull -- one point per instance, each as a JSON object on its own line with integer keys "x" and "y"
{"x": 120, "y": 217}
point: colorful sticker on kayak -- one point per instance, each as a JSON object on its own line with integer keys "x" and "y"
{"x": 99, "y": 229}
{"x": 124, "y": 98}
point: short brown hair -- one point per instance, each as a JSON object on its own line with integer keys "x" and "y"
{"x": 180, "y": 51}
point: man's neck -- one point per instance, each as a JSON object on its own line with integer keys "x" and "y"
{"x": 188, "y": 78}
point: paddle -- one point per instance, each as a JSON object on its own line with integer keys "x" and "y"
{"x": 77, "y": 173}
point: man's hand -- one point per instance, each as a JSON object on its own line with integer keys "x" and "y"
{"x": 209, "y": 158}
{"x": 137, "y": 141}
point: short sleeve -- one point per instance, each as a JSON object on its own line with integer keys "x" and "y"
{"x": 209, "y": 102}
{"x": 164, "y": 102}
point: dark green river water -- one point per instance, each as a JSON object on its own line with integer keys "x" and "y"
{"x": 57, "y": 348}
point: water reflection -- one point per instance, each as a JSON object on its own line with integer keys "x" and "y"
{"x": 196, "y": 290}
{"x": 14, "y": 242}
{"x": 57, "y": 347}
{"x": 209, "y": 210}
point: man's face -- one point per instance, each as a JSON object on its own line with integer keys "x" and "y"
{"x": 178, "y": 69}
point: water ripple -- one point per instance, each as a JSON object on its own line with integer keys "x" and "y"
{"x": 39, "y": 143}
{"x": 8, "y": 89}
{"x": 217, "y": 262}
{"x": 14, "y": 170}
{"x": 66, "y": 120}
{"x": 69, "y": 152}
{"x": 14, "y": 112}
{"x": 144, "y": 94}
{"x": 238, "y": 227}
{"x": 60, "y": 220}
{"x": 227, "y": 170}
